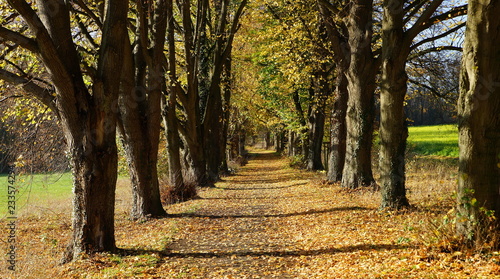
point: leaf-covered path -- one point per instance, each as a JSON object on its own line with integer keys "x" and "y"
{"x": 272, "y": 221}
{"x": 243, "y": 227}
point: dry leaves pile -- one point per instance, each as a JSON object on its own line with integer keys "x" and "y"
{"x": 268, "y": 221}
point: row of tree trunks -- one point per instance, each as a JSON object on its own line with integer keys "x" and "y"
{"x": 126, "y": 93}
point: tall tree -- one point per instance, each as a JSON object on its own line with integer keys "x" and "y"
{"x": 361, "y": 87}
{"x": 86, "y": 113}
{"x": 479, "y": 122}
{"x": 191, "y": 129}
{"x": 180, "y": 190}
{"x": 333, "y": 18}
{"x": 218, "y": 91}
{"x": 397, "y": 44}
{"x": 140, "y": 111}
{"x": 393, "y": 131}
{"x": 200, "y": 111}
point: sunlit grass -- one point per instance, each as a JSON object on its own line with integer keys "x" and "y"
{"x": 440, "y": 140}
{"x": 44, "y": 193}
{"x": 37, "y": 190}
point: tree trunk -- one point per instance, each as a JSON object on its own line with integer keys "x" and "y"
{"x": 338, "y": 131}
{"x": 320, "y": 92}
{"x": 279, "y": 141}
{"x": 393, "y": 86}
{"x": 292, "y": 148}
{"x": 179, "y": 190}
{"x": 360, "y": 113}
{"x": 213, "y": 127}
{"x": 141, "y": 147}
{"x": 192, "y": 128}
{"x": 196, "y": 173}
{"x": 241, "y": 142}
{"x": 141, "y": 115}
{"x": 479, "y": 124}
{"x": 316, "y": 126}
{"x": 94, "y": 162}
{"x": 338, "y": 37}
{"x": 268, "y": 140}
{"x": 226, "y": 114}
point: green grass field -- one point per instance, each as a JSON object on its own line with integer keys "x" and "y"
{"x": 39, "y": 191}
{"x": 440, "y": 140}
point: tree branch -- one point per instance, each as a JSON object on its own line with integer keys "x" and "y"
{"x": 44, "y": 94}
{"x": 455, "y": 12}
{"x": 413, "y": 9}
{"x": 89, "y": 12}
{"x": 433, "y": 49}
{"x": 442, "y": 35}
{"x": 422, "y": 21}
{"x": 234, "y": 29}
{"x": 19, "y": 39}
{"x": 11, "y": 96}
{"x": 430, "y": 88}
{"x": 335, "y": 9}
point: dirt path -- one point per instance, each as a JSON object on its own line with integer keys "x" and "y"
{"x": 237, "y": 228}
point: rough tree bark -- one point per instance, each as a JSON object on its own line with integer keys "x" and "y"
{"x": 479, "y": 122}
{"x": 393, "y": 86}
{"x": 360, "y": 112}
{"x": 140, "y": 111}
{"x": 338, "y": 131}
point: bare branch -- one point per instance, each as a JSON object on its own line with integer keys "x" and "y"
{"x": 434, "y": 49}
{"x": 433, "y": 90}
{"x": 442, "y": 35}
{"x": 453, "y": 13}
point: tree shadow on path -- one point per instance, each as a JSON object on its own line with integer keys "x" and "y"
{"x": 281, "y": 215}
{"x": 291, "y": 253}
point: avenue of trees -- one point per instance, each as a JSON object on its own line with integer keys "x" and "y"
{"x": 211, "y": 74}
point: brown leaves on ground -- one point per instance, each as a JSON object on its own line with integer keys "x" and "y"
{"x": 270, "y": 221}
